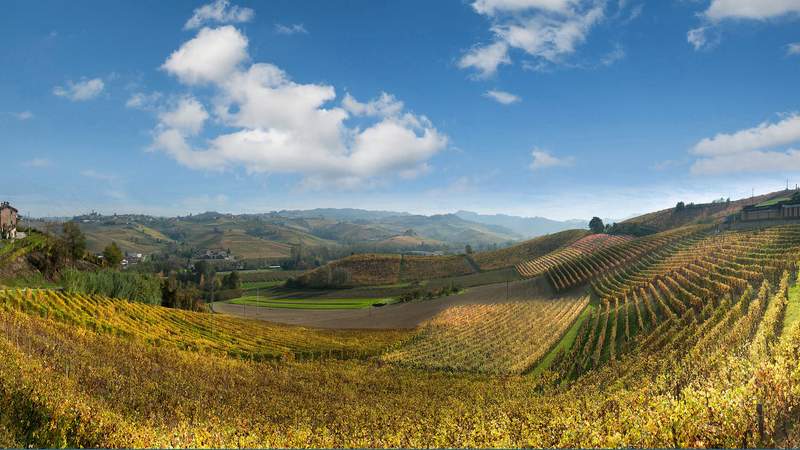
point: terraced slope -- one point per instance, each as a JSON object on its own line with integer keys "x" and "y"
{"x": 583, "y": 246}
{"x": 697, "y": 277}
{"x": 575, "y": 271}
{"x": 499, "y": 338}
{"x": 527, "y": 250}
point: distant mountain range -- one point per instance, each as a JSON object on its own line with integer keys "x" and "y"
{"x": 526, "y": 227}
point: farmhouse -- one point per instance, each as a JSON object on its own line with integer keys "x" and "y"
{"x": 782, "y": 208}
{"x": 8, "y": 221}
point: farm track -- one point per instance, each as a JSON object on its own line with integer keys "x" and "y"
{"x": 398, "y": 316}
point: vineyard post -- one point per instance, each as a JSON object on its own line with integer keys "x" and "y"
{"x": 760, "y": 414}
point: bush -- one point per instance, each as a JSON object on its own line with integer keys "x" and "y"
{"x": 111, "y": 283}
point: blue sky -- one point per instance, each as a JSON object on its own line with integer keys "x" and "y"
{"x": 556, "y": 108}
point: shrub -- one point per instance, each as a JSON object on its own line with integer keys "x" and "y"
{"x": 111, "y": 283}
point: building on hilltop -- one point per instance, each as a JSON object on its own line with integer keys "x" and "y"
{"x": 8, "y": 221}
{"x": 782, "y": 208}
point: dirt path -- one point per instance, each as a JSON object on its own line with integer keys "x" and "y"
{"x": 402, "y": 315}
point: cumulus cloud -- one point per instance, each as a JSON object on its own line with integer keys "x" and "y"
{"x": 762, "y": 148}
{"x": 724, "y": 10}
{"x": 297, "y": 28}
{"x": 548, "y": 30}
{"x": 385, "y": 105}
{"x": 543, "y": 160}
{"x": 765, "y": 135}
{"x": 502, "y": 97}
{"x": 750, "y": 9}
{"x": 220, "y": 11}
{"x": 80, "y": 91}
{"x": 210, "y": 57}
{"x": 188, "y": 116}
{"x": 271, "y": 123}
{"x": 793, "y": 49}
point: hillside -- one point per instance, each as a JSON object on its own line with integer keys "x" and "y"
{"x": 703, "y": 336}
{"x": 270, "y": 236}
{"x": 380, "y": 269}
{"x": 362, "y": 270}
{"x": 524, "y": 251}
{"x": 697, "y": 213}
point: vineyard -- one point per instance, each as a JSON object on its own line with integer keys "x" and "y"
{"x": 192, "y": 331}
{"x": 692, "y": 340}
{"x": 497, "y": 338}
{"x": 574, "y": 271}
{"x": 585, "y": 245}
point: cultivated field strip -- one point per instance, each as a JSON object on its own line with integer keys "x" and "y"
{"x": 497, "y": 338}
{"x": 195, "y": 331}
{"x": 657, "y": 294}
{"x": 585, "y": 245}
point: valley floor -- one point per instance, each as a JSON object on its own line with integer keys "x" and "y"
{"x": 395, "y": 316}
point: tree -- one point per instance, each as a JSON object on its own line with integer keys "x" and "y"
{"x": 74, "y": 240}
{"x": 231, "y": 281}
{"x": 680, "y": 206}
{"x": 596, "y": 225}
{"x": 112, "y": 255}
{"x": 468, "y": 249}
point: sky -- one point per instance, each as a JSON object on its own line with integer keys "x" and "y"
{"x": 555, "y": 108}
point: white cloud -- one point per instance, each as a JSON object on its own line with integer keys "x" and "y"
{"x": 220, "y": 11}
{"x": 383, "y": 106}
{"x": 548, "y": 30}
{"x": 697, "y": 37}
{"x": 37, "y": 163}
{"x": 23, "y": 115}
{"x": 143, "y": 101}
{"x": 211, "y": 56}
{"x": 749, "y": 162}
{"x": 793, "y": 49}
{"x": 493, "y": 7}
{"x": 764, "y": 136}
{"x": 618, "y": 54}
{"x": 188, "y": 116}
{"x": 502, "y": 97}
{"x": 273, "y": 124}
{"x": 754, "y": 149}
{"x": 486, "y": 59}
{"x": 297, "y": 28}
{"x": 723, "y": 10}
{"x": 543, "y": 160}
{"x": 751, "y": 9}
{"x": 80, "y": 91}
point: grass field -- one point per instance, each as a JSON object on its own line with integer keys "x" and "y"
{"x": 253, "y": 285}
{"x": 792, "y": 314}
{"x": 309, "y": 303}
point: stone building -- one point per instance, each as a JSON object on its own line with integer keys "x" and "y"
{"x": 8, "y": 221}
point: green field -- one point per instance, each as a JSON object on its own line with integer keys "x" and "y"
{"x": 253, "y": 285}
{"x": 309, "y": 303}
